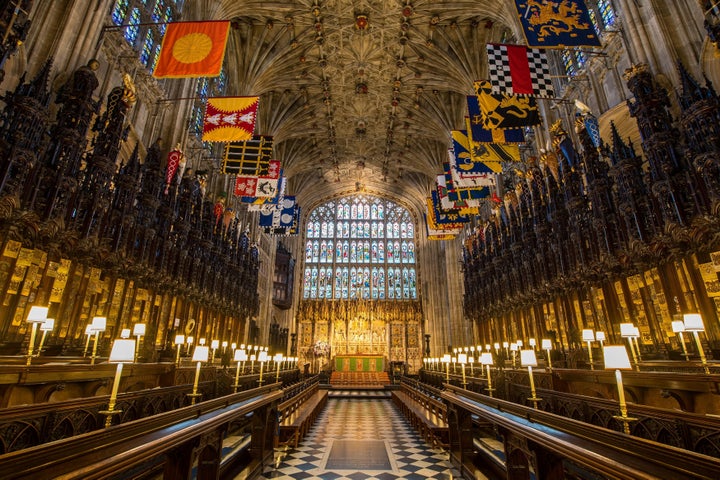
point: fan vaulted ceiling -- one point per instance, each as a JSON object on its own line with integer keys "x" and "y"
{"x": 359, "y": 95}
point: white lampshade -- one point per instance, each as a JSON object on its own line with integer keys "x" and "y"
{"x": 678, "y": 326}
{"x": 454, "y": 360}
{"x": 636, "y": 332}
{"x": 139, "y": 329}
{"x": 588, "y": 335}
{"x": 472, "y": 348}
{"x": 37, "y": 314}
{"x": 505, "y": 344}
{"x": 201, "y": 354}
{"x": 627, "y": 330}
{"x": 514, "y": 347}
{"x": 616, "y": 357}
{"x": 224, "y": 344}
{"x": 497, "y": 346}
{"x": 487, "y": 347}
{"x": 202, "y": 341}
{"x": 527, "y": 358}
{"x": 233, "y": 346}
{"x": 486, "y": 358}
{"x": 693, "y": 322}
{"x": 214, "y": 344}
{"x": 253, "y": 357}
{"x": 242, "y": 346}
{"x": 179, "y": 339}
{"x": 532, "y": 342}
{"x": 190, "y": 340}
{"x": 125, "y": 333}
{"x": 520, "y": 343}
{"x": 546, "y": 344}
{"x": 462, "y": 358}
{"x": 262, "y": 356}
{"x": 465, "y": 349}
{"x": 99, "y": 324}
{"x": 600, "y": 336}
{"x": 123, "y": 351}
{"x": 240, "y": 355}
{"x": 88, "y": 329}
{"x": 278, "y": 357}
{"x": 446, "y": 358}
{"x": 47, "y": 325}
{"x": 266, "y": 349}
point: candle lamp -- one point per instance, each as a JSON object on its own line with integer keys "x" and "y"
{"x": 462, "y": 360}
{"x": 529, "y": 360}
{"x": 262, "y": 358}
{"x": 616, "y": 358}
{"x": 546, "y": 345}
{"x": 486, "y": 359}
{"x": 627, "y": 330}
{"x": 98, "y": 325}
{"x": 123, "y": 351}
{"x": 693, "y": 323}
{"x": 179, "y": 340}
{"x": 589, "y": 336}
{"x": 45, "y": 327}
{"x": 36, "y": 316}
{"x": 278, "y": 361}
{"x": 138, "y": 332}
{"x": 678, "y": 326}
{"x": 513, "y": 350}
{"x": 200, "y": 355}
{"x": 446, "y": 360}
{"x": 214, "y": 345}
{"x": 240, "y": 356}
{"x": 88, "y": 334}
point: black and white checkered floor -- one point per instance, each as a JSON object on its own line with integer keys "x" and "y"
{"x": 361, "y": 419}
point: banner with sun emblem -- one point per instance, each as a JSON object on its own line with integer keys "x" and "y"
{"x": 557, "y": 24}
{"x": 192, "y": 49}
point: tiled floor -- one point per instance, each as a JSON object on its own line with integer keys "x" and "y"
{"x": 361, "y": 419}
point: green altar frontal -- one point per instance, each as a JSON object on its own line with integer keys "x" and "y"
{"x": 359, "y": 363}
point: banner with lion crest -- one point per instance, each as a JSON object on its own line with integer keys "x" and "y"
{"x": 557, "y": 24}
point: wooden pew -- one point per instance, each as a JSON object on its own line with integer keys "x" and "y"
{"x": 425, "y": 413}
{"x": 298, "y": 414}
{"x": 159, "y": 445}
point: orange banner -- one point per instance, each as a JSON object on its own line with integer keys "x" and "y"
{"x": 192, "y": 49}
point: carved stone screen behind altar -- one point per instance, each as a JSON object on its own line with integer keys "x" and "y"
{"x": 390, "y": 330}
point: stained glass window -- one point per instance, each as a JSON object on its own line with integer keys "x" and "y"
{"x": 568, "y": 63}
{"x": 606, "y": 12}
{"x": 146, "y": 21}
{"x": 350, "y": 246}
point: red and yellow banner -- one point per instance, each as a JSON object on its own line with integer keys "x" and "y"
{"x": 229, "y": 119}
{"x": 192, "y": 49}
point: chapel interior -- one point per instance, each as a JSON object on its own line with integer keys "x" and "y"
{"x": 358, "y": 285}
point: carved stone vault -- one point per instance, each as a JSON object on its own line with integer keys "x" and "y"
{"x": 359, "y": 95}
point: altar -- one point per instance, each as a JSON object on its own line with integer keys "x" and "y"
{"x": 359, "y": 363}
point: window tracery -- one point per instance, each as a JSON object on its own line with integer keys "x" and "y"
{"x": 354, "y": 249}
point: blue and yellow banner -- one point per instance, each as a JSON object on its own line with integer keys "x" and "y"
{"x": 501, "y": 110}
{"x": 557, "y": 24}
{"x": 484, "y": 135}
